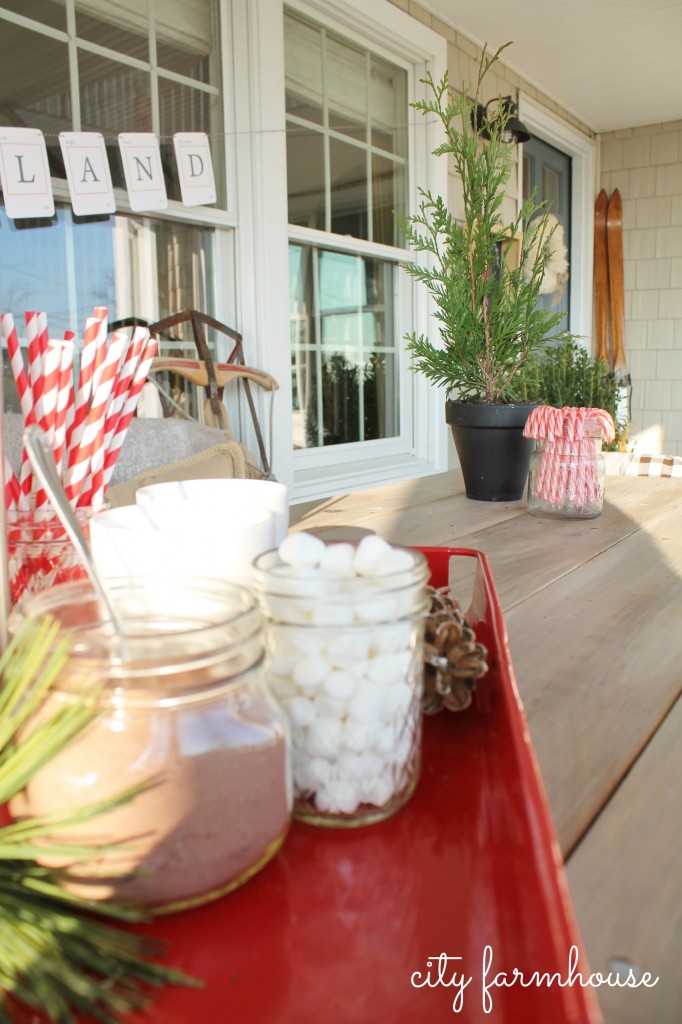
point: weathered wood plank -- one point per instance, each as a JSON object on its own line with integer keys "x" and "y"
{"x": 633, "y": 850}
{"x": 527, "y": 553}
{"x": 597, "y": 657}
{"x": 379, "y": 500}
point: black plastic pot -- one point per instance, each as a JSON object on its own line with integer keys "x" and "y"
{"x": 493, "y": 453}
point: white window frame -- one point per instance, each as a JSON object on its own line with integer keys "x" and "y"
{"x": 264, "y": 234}
{"x": 223, "y": 220}
{"x": 543, "y": 124}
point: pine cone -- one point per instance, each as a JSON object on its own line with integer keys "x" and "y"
{"x": 453, "y": 660}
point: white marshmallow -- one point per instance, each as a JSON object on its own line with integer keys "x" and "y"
{"x": 359, "y": 737}
{"x": 338, "y": 559}
{"x": 300, "y": 711}
{"x": 369, "y": 778}
{"x": 397, "y": 702}
{"x": 368, "y": 553}
{"x": 351, "y": 766}
{"x": 385, "y": 669}
{"x": 281, "y": 664}
{"x": 327, "y": 707}
{"x": 366, "y": 703}
{"x": 338, "y": 798}
{"x": 301, "y": 640}
{"x": 346, "y": 649}
{"x": 309, "y": 671}
{"x": 393, "y": 561}
{"x": 301, "y": 549}
{"x": 379, "y": 609}
{"x": 319, "y": 770}
{"x": 324, "y": 737}
{"x": 284, "y": 609}
{"x": 379, "y": 790}
{"x": 340, "y": 685}
{"x": 332, "y": 614}
{"x": 393, "y": 636}
{"x": 385, "y": 741}
{"x": 303, "y": 777}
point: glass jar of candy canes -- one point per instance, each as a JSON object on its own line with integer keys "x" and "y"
{"x": 566, "y": 477}
{"x": 344, "y": 633}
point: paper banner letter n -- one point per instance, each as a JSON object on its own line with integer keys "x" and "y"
{"x": 143, "y": 171}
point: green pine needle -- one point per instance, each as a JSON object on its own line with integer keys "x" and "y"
{"x": 58, "y": 954}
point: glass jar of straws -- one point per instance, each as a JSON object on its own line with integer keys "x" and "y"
{"x": 39, "y": 551}
{"x": 567, "y": 473}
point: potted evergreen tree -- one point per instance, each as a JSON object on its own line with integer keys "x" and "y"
{"x": 486, "y": 307}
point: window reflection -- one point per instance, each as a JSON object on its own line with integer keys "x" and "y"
{"x": 344, "y": 364}
{"x": 134, "y": 266}
{"x": 346, "y": 135}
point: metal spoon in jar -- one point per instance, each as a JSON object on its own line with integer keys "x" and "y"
{"x": 42, "y": 461}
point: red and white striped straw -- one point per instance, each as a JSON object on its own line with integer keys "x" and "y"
{"x": 25, "y": 392}
{"x": 43, "y": 336}
{"x": 101, "y": 313}
{"x": 35, "y": 361}
{"x": 128, "y": 410}
{"x": 12, "y": 490}
{"x": 118, "y": 398}
{"x": 95, "y": 494}
{"x": 64, "y": 400}
{"x": 92, "y": 437}
{"x": 84, "y": 390}
{"x": 16, "y": 360}
{"x": 52, "y": 359}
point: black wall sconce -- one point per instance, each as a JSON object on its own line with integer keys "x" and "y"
{"x": 514, "y": 130}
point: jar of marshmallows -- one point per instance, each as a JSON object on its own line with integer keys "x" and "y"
{"x": 344, "y": 636}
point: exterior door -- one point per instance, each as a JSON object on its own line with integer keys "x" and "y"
{"x": 548, "y": 171}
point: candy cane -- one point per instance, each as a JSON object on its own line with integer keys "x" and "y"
{"x": 568, "y": 468}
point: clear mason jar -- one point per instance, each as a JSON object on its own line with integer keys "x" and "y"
{"x": 184, "y": 707}
{"x": 566, "y": 478}
{"x": 345, "y": 660}
{"x": 40, "y": 553}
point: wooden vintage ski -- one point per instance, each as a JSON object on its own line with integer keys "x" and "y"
{"x": 614, "y": 244}
{"x": 601, "y": 281}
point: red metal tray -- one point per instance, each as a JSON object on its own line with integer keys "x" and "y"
{"x": 335, "y": 928}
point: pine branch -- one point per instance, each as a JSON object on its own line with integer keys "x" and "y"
{"x": 56, "y": 957}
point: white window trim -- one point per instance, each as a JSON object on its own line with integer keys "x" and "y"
{"x": 258, "y": 76}
{"x": 542, "y": 123}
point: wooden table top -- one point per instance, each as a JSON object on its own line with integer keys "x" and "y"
{"x": 594, "y": 615}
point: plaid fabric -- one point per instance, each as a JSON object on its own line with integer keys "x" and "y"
{"x": 654, "y": 465}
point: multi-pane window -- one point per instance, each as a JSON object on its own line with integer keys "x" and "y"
{"x": 346, "y": 176}
{"x": 343, "y": 347}
{"x": 129, "y": 66}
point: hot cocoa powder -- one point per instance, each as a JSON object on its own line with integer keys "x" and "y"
{"x": 218, "y": 806}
